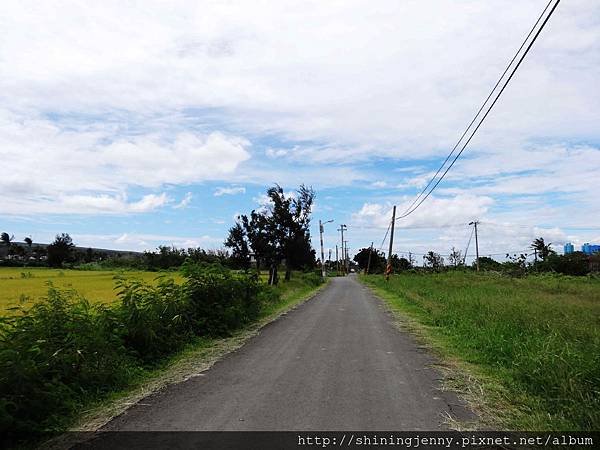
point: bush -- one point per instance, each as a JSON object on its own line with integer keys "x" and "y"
{"x": 312, "y": 278}
{"x": 220, "y": 301}
{"x": 60, "y": 351}
{"x": 64, "y": 352}
{"x": 575, "y": 263}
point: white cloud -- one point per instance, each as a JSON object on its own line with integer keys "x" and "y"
{"x": 109, "y": 98}
{"x": 54, "y": 170}
{"x": 141, "y": 241}
{"x": 330, "y": 71}
{"x": 184, "y": 203}
{"x": 233, "y": 190}
{"x": 379, "y": 184}
{"x": 440, "y": 212}
{"x": 84, "y": 204}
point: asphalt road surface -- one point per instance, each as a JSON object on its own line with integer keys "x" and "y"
{"x": 334, "y": 363}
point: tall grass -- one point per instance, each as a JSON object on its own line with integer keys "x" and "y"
{"x": 65, "y": 352}
{"x": 538, "y": 336}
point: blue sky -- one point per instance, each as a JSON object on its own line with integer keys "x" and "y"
{"x": 134, "y": 125}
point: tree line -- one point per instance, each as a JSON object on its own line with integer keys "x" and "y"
{"x": 546, "y": 260}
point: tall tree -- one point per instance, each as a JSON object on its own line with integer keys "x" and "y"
{"x": 257, "y": 229}
{"x": 6, "y": 238}
{"x": 543, "y": 250}
{"x": 237, "y": 241}
{"x": 29, "y": 242}
{"x": 433, "y": 260}
{"x": 290, "y": 222}
{"x": 61, "y": 250}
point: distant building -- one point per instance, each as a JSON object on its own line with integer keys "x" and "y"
{"x": 589, "y": 249}
{"x": 569, "y": 248}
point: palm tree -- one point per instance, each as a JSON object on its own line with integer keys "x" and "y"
{"x": 6, "y": 239}
{"x": 29, "y": 242}
{"x": 542, "y": 249}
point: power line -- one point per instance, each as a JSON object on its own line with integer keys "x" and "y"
{"x": 385, "y": 237}
{"x": 469, "y": 243}
{"x": 413, "y": 207}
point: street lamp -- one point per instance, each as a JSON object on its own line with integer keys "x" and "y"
{"x": 323, "y": 271}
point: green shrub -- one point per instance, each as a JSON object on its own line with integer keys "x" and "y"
{"x": 312, "y": 278}
{"x": 221, "y": 301}
{"x": 64, "y": 352}
{"x": 60, "y": 351}
{"x": 155, "y": 320}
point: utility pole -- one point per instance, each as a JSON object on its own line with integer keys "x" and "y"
{"x": 321, "y": 229}
{"x": 323, "y": 274}
{"x": 388, "y": 269}
{"x": 337, "y": 261}
{"x": 342, "y": 228}
{"x": 369, "y": 260}
{"x": 346, "y": 270}
{"x": 329, "y": 259}
{"x": 475, "y": 223}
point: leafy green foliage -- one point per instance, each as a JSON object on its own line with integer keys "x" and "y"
{"x": 61, "y": 250}
{"x": 279, "y": 232}
{"x": 64, "y": 352}
{"x": 220, "y": 301}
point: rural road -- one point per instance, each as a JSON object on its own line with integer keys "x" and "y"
{"x": 334, "y": 363}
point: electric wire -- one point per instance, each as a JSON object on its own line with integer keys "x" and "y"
{"x": 414, "y": 206}
{"x": 468, "y": 244}
{"x": 482, "y": 106}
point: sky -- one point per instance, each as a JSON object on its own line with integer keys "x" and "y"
{"x": 136, "y": 124}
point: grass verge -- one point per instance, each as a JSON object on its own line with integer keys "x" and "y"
{"x": 525, "y": 353}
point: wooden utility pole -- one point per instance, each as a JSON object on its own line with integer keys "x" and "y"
{"x": 475, "y": 223}
{"x": 342, "y": 228}
{"x": 337, "y": 261}
{"x": 323, "y": 273}
{"x": 346, "y": 257}
{"x": 369, "y": 260}
{"x": 388, "y": 269}
{"x": 321, "y": 229}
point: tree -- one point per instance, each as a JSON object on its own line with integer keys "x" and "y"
{"x": 487, "y": 263}
{"x": 279, "y": 231}
{"x": 237, "y": 241}
{"x": 289, "y": 226}
{"x": 88, "y": 257}
{"x": 543, "y": 250}
{"x": 377, "y": 260}
{"x": 400, "y": 264}
{"x": 433, "y": 260}
{"x": 516, "y": 265}
{"x": 61, "y": 250}
{"x": 576, "y": 263}
{"x": 6, "y": 239}
{"x": 29, "y": 242}
{"x": 257, "y": 232}
{"x": 455, "y": 258}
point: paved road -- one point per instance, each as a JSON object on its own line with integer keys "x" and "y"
{"x": 334, "y": 363}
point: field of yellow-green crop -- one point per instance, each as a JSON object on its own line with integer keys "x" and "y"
{"x": 26, "y": 285}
